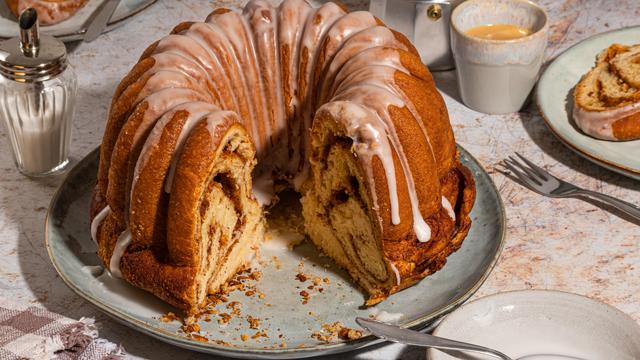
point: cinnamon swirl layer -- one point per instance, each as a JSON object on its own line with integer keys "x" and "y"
{"x": 211, "y": 224}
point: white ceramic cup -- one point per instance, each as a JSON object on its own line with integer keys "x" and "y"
{"x": 496, "y": 76}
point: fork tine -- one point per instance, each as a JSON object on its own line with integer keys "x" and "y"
{"x": 544, "y": 174}
{"x": 527, "y": 171}
{"x": 520, "y": 175}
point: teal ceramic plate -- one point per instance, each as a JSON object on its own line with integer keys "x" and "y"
{"x": 554, "y": 95}
{"x": 283, "y": 316}
{"x": 73, "y": 28}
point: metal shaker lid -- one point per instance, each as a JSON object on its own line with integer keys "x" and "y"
{"x": 32, "y": 57}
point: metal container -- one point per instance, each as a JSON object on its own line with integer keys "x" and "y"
{"x": 425, "y": 23}
{"x": 37, "y": 97}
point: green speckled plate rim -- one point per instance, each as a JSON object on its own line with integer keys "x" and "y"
{"x": 608, "y": 164}
{"x": 286, "y": 353}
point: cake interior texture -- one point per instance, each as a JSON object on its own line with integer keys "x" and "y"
{"x": 220, "y": 116}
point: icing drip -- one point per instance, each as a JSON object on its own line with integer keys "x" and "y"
{"x": 380, "y": 100}
{"x": 227, "y": 67}
{"x": 186, "y": 67}
{"x": 360, "y": 41}
{"x": 195, "y": 110}
{"x": 195, "y": 114}
{"x": 118, "y": 251}
{"x": 316, "y": 27}
{"x": 165, "y": 79}
{"x": 600, "y": 123}
{"x": 97, "y": 220}
{"x": 236, "y": 28}
{"x": 292, "y": 17}
{"x": 159, "y": 102}
{"x": 369, "y": 141}
{"x": 374, "y": 65}
{"x": 447, "y": 206}
{"x": 395, "y": 271}
{"x": 264, "y": 22}
{"x": 263, "y": 189}
{"x": 204, "y": 57}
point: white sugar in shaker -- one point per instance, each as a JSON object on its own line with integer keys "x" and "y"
{"x": 37, "y": 98}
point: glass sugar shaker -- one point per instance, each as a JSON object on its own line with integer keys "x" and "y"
{"x": 37, "y": 98}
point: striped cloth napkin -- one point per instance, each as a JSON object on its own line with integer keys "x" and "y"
{"x": 31, "y": 332}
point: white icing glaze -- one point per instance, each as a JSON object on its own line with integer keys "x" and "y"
{"x": 118, "y": 251}
{"x": 396, "y": 272}
{"x": 159, "y": 102}
{"x": 236, "y": 28}
{"x": 196, "y": 112}
{"x": 97, "y": 220}
{"x": 374, "y": 92}
{"x": 263, "y": 189}
{"x": 318, "y": 23}
{"x": 447, "y": 206}
{"x": 264, "y": 23}
{"x": 368, "y": 38}
{"x": 600, "y": 123}
{"x": 164, "y": 79}
{"x": 240, "y": 55}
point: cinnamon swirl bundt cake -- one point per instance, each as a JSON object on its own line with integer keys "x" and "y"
{"x": 330, "y": 103}
{"x": 49, "y": 11}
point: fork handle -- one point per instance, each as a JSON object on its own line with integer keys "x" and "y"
{"x": 628, "y": 208}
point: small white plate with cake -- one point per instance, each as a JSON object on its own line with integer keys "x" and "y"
{"x": 589, "y": 97}
{"x": 65, "y": 19}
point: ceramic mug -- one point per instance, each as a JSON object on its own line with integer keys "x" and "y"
{"x": 496, "y": 76}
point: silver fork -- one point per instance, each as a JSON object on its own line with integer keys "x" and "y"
{"x": 542, "y": 182}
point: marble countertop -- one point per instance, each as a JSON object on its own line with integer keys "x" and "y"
{"x": 561, "y": 244}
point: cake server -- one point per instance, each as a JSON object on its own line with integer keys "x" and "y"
{"x": 541, "y": 181}
{"x": 100, "y": 19}
{"x": 405, "y": 336}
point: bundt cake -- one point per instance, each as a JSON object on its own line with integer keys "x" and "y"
{"x": 330, "y": 103}
{"x": 607, "y": 98}
{"x": 49, "y": 11}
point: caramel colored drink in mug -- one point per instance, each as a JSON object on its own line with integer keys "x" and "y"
{"x": 498, "y": 32}
{"x": 498, "y": 47}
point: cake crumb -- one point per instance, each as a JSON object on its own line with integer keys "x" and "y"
{"x": 191, "y": 328}
{"x": 302, "y": 277}
{"x": 259, "y": 334}
{"x": 349, "y": 334}
{"x": 169, "y": 317}
{"x": 254, "y": 323}
{"x": 244, "y": 337}
{"x": 333, "y": 331}
{"x": 197, "y": 337}
{"x": 224, "y": 318}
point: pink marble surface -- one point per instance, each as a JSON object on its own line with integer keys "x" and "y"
{"x": 551, "y": 243}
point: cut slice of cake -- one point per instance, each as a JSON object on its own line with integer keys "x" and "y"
{"x": 606, "y": 105}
